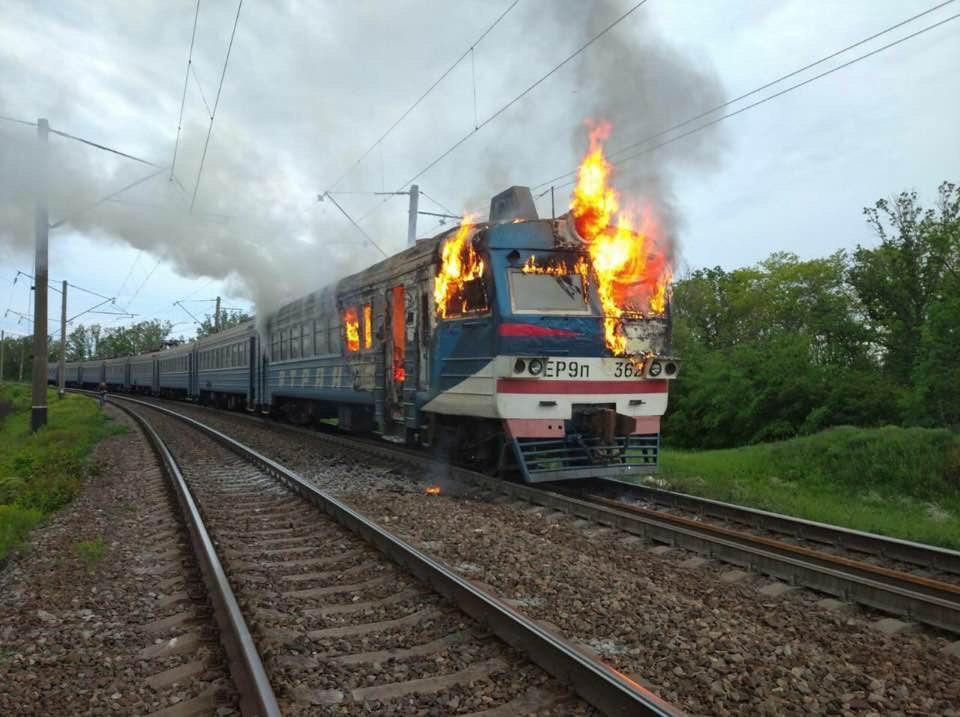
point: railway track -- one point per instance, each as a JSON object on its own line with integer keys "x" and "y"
{"x": 840, "y": 572}
{"x": 347, "y": 616}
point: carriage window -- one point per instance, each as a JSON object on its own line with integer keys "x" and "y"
{"x": 295, "y": 342}
{"x": 470, "y": 298}
{"x": 546, "y": 293}
{"x": 308, "y": 347}
{"x": 351, "y": 328}
{"x": 333, "y": 333}
{"x": 367, "y": 326}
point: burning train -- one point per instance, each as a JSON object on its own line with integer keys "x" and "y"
{"x": 539, "y": 347}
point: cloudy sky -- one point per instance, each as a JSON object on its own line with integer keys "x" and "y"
{"x": 311, "y": 86}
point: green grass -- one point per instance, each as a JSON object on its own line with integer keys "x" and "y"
{"x": 91, "y": 552}
{"x": 902, "y": 482}
{"x": 42, "y": 472}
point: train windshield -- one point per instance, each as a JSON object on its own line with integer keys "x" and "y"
{"x": 548, "y": 294}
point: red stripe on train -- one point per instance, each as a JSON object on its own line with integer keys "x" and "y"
{"x": 529, "y": 385}
{"x": 533, "y": 330}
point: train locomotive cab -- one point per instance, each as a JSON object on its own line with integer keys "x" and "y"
{"x": 524, "y": 363}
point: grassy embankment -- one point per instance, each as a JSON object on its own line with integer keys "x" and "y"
{"x": 43, "y": 472}
{"x": 902, "y": 482}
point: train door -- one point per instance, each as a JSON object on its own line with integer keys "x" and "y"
{"x": 423, "y": 342}
{"x": 252, "y": 374}
{"x": 395, "y": 346}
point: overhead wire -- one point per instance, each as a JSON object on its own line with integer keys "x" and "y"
{"x": 216, "y": 104}
{"x": 782, "y": 92}
{"x": 183, "y": 98}
{"x": 507, "y": 106}
{"x": 761, "y": 88}
{"x": 103, "y": 147}
{"x": 18, "y": 121}
{"x": 443, "y": 155}
{"x": 423, "y": 96}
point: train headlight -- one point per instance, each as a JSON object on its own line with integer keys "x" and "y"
{"x": 536, "y": 367}
{"x": 655, "y": 368}
{"x": 519, "y": 366}
{"x": 670, "y": 369}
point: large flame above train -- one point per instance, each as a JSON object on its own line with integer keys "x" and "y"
{"x": 628, "y": 252}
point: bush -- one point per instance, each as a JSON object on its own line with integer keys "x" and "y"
{"x": 43, "y": 471}
{"x": 897, "y": 481}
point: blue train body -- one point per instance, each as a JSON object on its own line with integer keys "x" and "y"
{"x": 511, "y": 373}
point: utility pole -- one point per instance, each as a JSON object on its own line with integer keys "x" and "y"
{"x": 38, "y": 413}
{"x": 3, "y": 342}
{"x": 412, "y": 218}
{"x": 216, "y": 317}
{"x": 62, "y": 382}
{"x": 553, "y": 203}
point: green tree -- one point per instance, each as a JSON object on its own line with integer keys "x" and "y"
{"x": 228, "y": 319}
{"x": 771, "y": 351}
{"x": 915, "y": 264}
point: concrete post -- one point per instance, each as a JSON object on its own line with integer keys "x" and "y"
{"x": 38, "y": 413}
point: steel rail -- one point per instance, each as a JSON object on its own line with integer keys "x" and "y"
{"x": 928, "y": 601}
{"x": 256, "y": 694}
{"x": 926, "y": 556}
{"x": 596, "y": 682}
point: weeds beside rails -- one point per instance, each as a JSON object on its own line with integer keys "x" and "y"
{"x": 901, "y": 482}
{"x": 42, "y": 472}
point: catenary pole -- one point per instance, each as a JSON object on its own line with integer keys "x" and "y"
{"x": 216, "y": 317}
{"x": 38, "y": 413}
{"x": 412, "y": 219}
{"x": 62, "y": 382}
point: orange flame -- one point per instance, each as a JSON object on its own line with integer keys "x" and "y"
{"x": 628, "y": 254}
{"x": 352, "y": 326}
{"x": 459, "y": 263}
{"x": 367, "y": 326}
{"x": 433, "y": 490}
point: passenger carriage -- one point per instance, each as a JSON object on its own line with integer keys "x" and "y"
{"x": 227, "y": 367}
{"x": 175, "y": 372}
{"x": 117, "y": 373}
{"x": 142, "y": 374}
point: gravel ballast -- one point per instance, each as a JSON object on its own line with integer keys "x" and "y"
{"x": 77, "y": 631}
{"x": 710, "y": 646}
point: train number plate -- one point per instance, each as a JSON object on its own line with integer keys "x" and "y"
{"x": 564, "y": 368}
{"x": 627, "y": 369}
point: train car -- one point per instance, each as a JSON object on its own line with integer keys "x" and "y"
{"x": 91, "y": 373}
{"x": 176, "y": 377}
{"x": 142, "y": 374}
{"x": 227, "y": 368}
{"x": 117, "y": 373}
{"x": 506, "y": 365}
{"x": 522, "y": 371}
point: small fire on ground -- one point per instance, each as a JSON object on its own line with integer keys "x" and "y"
{"x": 433, "y": 490}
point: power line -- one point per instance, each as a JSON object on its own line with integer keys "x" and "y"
{"x": 87, "y": 208}
{"x": 216, "y": 104}
{"x": 103, "y": 147}
{"x": 523, "y": 94}
{"x": 422, "y": 97}
{"x": 183, "y": 98}
{"x": 18, "y": 121}
{"x": 752, "y": 92}
{"x": 798, "y": 85}
{"x": 442, "y": 206}
{"x": 203, "y": 97}
{"x": 505, "y": 107}
{"x": 136, "y": 260}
